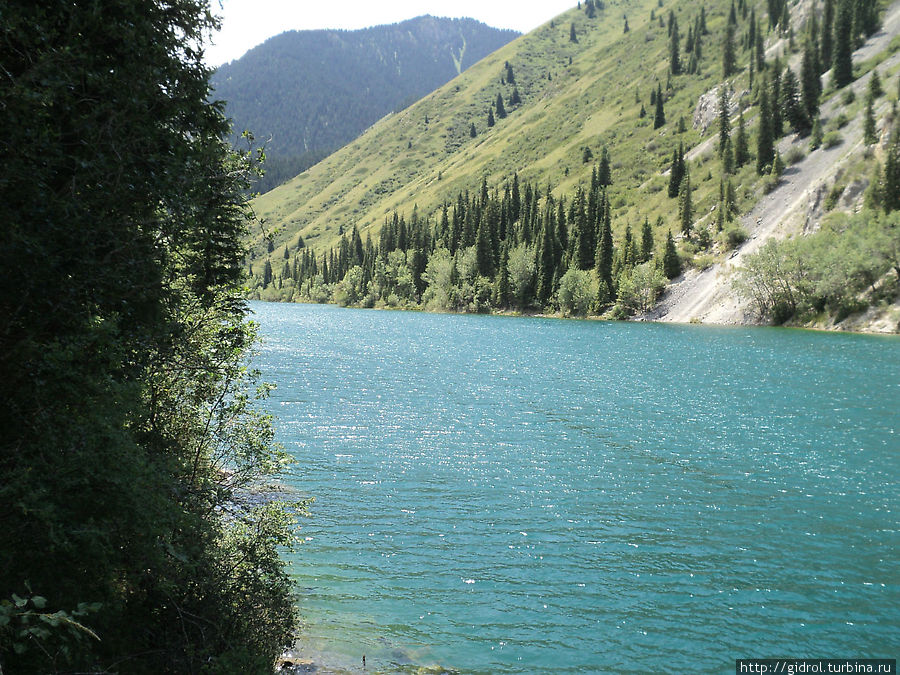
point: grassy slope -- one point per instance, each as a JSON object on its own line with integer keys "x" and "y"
{"x": 403, "y": 161}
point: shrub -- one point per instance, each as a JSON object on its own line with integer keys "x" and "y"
{"x": 832, "y": 139}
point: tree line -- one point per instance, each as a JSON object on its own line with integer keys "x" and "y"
{"x": 512, "y": 247}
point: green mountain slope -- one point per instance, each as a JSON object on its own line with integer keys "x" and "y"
{"x": 493, "y": 181}
{"x": 574, "y": 95}
{"x": 309, "y": 92}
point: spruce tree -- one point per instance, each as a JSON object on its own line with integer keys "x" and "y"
{"x": 472, "y": 131}
{"x": 490, "y": 120}
{"x": 724, "y": 121}
{"x": 677, "y": 172}
{"x": 826, "y": 39}
{"x": 686, "y": 205}
{"x": 603, "y": 262}
{"x": 501, "y": 110}
{"x": 741, "y": 145}
{"x": 765, "y": 143}
{"x": 659, "y": 119}
{"x": 674, "y": 57}
{"x": 811, "y": 86}
{"x": 604, "y": 173}
{"x": 646, "y": 240}
{"x": 573, "y": 37}
{"x": 728, "y": 53}
{"x": 546, "y": 263}
{"x": 842, "y": 60}
{"x": 791, "y": 105}
{"x": 484, "y": 254}
{"x": 876, "y": 90}
{"x": 869, "y": 134}
{"x": 501, "y": 286}
{"x": 671, "y": 260}
{"x": 775, "y": 98}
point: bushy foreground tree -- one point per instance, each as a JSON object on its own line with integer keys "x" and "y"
{"x": 127, "y": 410}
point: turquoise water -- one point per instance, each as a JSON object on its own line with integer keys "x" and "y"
{"x": 506, "y": 495}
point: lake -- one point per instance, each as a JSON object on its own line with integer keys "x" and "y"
{"x": 526, "y": 495}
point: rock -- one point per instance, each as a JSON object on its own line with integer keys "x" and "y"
{"x": 707, "y": 109}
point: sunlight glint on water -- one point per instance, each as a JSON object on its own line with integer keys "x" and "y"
{"x": 530, "y": 495}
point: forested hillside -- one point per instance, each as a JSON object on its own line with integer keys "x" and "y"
{"x": 584, "y": 165}
{"x": 307, "y": 93}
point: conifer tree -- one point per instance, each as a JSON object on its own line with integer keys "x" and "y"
{"x": 869, "y": 135}
{"x": 546, "y": 263}
{"x": 490, "y": 120}
{"x": 604, "y": 174}
{"x": 760, "y": 51}
{"x": 842, "y": 60}
{"x": 811, "y": 86}
{"x": 515, "y": 98}
{"x": 765, "y": 143}
{"x": 686, "y": 205}
{"x": 603, "y": 262}
{"x": 501, "y": 286}
{"x": 501, "y": 110}
{"x": 472, "y": 131}
{"x": 484, "y": 254}
{"x": 674, "y": 57}
{"x": 646, "y": 241}
{"x": 671, "y": 260}
{"x": 724, "y": 121}
{"x": 741, "y": 145}
{"x": 826, "y": 35}
{"x": 876, "y": 90}
{"x": 659, "y": 119}
{"x": 677, "y": 172}
{"x": 510, "y": 76}
{"x": 775, "y": 99}
{"x": 891, "y": 190}
{"x": 728, "y": 55}
{"x": 573, "y": 37}
{"x": 791, "y": 105}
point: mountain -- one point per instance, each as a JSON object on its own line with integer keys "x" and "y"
{"x": 628, "y": 91}
{"x": 307, "y": 93}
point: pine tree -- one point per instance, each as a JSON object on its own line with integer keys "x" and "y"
{"x": 573, "y": 37}
{"x": 741, "y": 145}
{"x": 671, "y": 260}
{"x": 765, "y": 143}
{"x": 546, "y": 263}
{"x": 842, "y": 61}
{"x": 791, "y": 105}
{"x": 676, "y": 173}
{"x": 490, "y": 119}
{"x": 501, "y": 286}
{"x": 510, "y": 76}
{"x": 775, "y": 99}
{"x": 604, "y": 173}
{"x": 869, "y": 135}
{"x": 646, "y": 240}
{"x": 724, "y": 121}
{"x": 659, "y": 119}
{"x": 603, "y": 262}
{"x": 826, "y": 39}
{"x": 484, "y": 254}
{"x": 728, "y": 55}
{"x": 674, "y": 58}
{"x": 472, "y": 131}
{"x": 501, "y": 110}
{"x": 686, "y": 206}
{"x": 515, "y": 98}
{"x": 811, "y": 86}
{"x": 625, "y": 28}
{"x": 891, "y": 190}
{"x": 876, "y": 90}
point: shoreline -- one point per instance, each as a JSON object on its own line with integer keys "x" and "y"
{"x": 814, "y": 324}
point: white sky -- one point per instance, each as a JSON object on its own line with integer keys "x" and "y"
{"x": 247, "y": 23}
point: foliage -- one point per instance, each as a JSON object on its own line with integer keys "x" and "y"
{"x": 128, "y": 411}
{"x": 577, "y": 290}
{"x": 828, "y": 269}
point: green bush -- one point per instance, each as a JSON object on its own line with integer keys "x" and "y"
{"x": 832, "y": 139}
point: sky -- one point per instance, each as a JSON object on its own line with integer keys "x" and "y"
{"x": 247, "y": 23}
